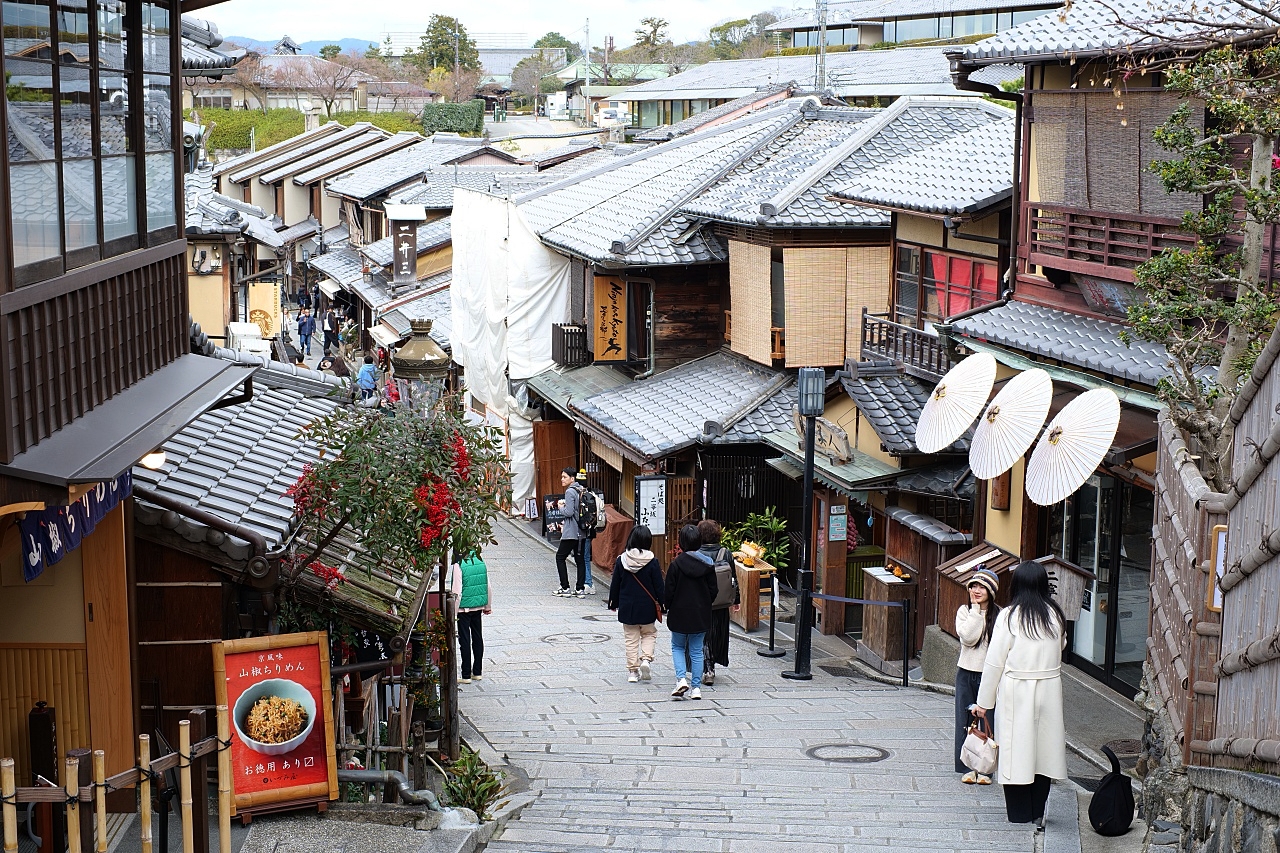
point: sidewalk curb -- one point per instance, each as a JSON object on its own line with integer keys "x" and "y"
{"x": 515, "y": 804}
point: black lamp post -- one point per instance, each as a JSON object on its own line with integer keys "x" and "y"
{"x": 812, "y": 382}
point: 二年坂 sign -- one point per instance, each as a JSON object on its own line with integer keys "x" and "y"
{"x": 276, "y": 690}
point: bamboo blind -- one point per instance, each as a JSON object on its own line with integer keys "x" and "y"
{"x": 867, "y": 278}
{"x": 814, "y": 282}
{"x": 1058, "y": 135}
{"x": 607, "y": 454}
{"x": 750, "y": 292}
{"x": 1111, "y": 161}
{"x": 57, "y": 675}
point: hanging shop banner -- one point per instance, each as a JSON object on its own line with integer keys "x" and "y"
{"x": 651, "y": 504}
{"x": 404, "y": 237}
{"x": 611, "y": 319}
{"x": 276, "y": 690}
{"x": 47, "y": 535}
{"x": 264, "y": 308}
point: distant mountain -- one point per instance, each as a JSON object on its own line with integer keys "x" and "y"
{"x": 312, "y": 47}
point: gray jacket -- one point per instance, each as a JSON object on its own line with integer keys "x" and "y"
{"x": 569, "y": 529}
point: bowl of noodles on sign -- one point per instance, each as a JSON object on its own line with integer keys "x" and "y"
{"x": 274, "y": 716}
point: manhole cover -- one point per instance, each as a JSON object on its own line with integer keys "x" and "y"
{"x": 575, "y": 639}
{"x": 847, "y": 753}
{"x": 601, "y": 617}
{"x": 844, "y": 671}
{"x": 1125, "y": 746}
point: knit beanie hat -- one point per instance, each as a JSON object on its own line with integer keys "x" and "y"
{"x": 986, "y": 578}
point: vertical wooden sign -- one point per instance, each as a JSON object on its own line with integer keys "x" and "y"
{"x": 404, "y": 242}
{"x": 651, "y": 503}
{"x": 610, "y": 320}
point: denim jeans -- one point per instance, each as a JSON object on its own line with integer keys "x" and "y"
{"x": 586, "y": 561}
{"x": 690, "y": 644}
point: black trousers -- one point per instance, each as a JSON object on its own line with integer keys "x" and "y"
{"x": 1025, "y": 803}
{"x": 471, "y": 642}
{"x": 967, "y": 682}
{"x": 567, "y": 547}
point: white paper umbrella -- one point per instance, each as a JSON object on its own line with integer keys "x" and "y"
{"x": 956, "y": 401}
{"x": 1072, "y": 446}
{"x": 1010, "y": 423}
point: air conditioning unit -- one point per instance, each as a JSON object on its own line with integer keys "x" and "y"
{"x": 569, "y": 345}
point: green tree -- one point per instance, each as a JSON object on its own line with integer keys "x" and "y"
{"x": 727, "y": 38}
{"x": 436, "y": 49}
{"x": 651, "y": 36}
{"x": 554, "y": 39}
{"x": 331, "y": 51}
{"x": 534, "y": 75}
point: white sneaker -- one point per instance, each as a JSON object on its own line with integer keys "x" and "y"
{"x": 591, "y": 590}
{"x": 695, "y": 693}
{"x": 563, "y": 591}
{"x": 682, "y": 687}
{"x": 633, "y": 677}
{"x": 464, "y": 680}
{"x": 646, "y": 670}
{"x": 476, "y": 677}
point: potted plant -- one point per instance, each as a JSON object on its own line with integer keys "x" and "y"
{"x": 429, "y": 640}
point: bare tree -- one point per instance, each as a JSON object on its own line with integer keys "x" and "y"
{"x": 326, "y": 80}
{"x": 528, "y": 75}
{"x": 254, "y": 79}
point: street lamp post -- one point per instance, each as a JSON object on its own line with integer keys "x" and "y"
{"x": 812, "y": 382}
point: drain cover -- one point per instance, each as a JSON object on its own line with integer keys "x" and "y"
{"x": 844, "y": 671}
{"x": 1125, "y": 746}
{"x": 1088, "y": 783}
{"x": 847, "y": 753}
{"x": 601, "y": 617}
{"x": 574, "y": 638}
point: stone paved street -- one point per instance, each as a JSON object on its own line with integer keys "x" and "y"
{"x": 622, "y": 766}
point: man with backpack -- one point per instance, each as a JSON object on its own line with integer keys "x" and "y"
{"x": 582, "y": 513}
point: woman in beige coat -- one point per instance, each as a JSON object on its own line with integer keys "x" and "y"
{"x": 1023, "y": 676}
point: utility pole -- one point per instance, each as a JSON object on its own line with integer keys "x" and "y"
{"x": 456, "y": 65}
{"x": 586, "y": 87}
{"x": 820, "y": 69}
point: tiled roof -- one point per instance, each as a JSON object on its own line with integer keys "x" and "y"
{"x": 561, "y": 386}
{"x": 436, "y": 190}
{"x": 1095, "y": 27}
{"x": 342, "y": 263}
{"x": 660, "y": 416}
{"x": 401, "y": 167}
{"x": 197, "y": 57}
{"x": 1069, "y": 338}
{"x": 962, "y": 174}
{"x": 349, "y": 161}
{"x": 928, "y": 526}
{"x": 362, "y": 137}
{"x": 855, "y": 73}
{"x": 786, "y": 184}
{"x": 706, "y": 117}
{"x": 891, "y": 401}
{"x": 431, "y": 235}
{"x": 770, "y": 416}
{"x": 308, "y": 227}
{"x": 574, "y": 148}
{"x": 626, "y": 211}
{"x": 947, "y": 480}
{"x": 435, "y": 304}
{"x": 208, "y": 212}
{"x": 243, "y": 160}
{"x": 858, "y": 11}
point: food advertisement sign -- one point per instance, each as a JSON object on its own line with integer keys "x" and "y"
{"x": 278, "y": 695}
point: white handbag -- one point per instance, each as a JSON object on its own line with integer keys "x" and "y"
{"x": 980, "y": 752}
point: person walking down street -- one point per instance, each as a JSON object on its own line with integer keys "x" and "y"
{"x": 569, "y": 532}
{"x": 330, "y": 332}
{"x": 1022, "y": 676}
{"x": 716, "y": 646}
{"x": 306, "y": 328}
{"x": 636, "y": 593}
{"x": 974, "y": 623}
{"x": 367, "y": 379}
{"x": 473, "y": 596}
{"x": 586, "y": 535}
{"x": 304, "y": 297}
{"x": 691, "y": 587}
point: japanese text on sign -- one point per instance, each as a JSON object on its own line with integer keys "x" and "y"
{"x": 610, "y": 319}
{"x": 405, "y": 244}
{"x": 651, "y": 504}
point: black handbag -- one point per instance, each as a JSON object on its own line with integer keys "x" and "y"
{"x": 1111, "y": 809}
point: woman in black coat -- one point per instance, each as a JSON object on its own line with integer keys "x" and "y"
{"x": 716, "y": 646}
{"x": 691, "y": 587}
{"x": 635, "y": 593}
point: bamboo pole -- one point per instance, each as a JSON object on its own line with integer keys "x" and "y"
{"x": 72, "y": 776}
{"x": 144, "y": 790}
{"x": 100, "y": 797}
{"x": 184, "y": 785}
{"x": 7, "y": 790}
{"x": 224, "y": 780}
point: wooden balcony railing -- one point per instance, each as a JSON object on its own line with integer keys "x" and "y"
{"x": 919, "y": 352}
{"x": 777, "y": 338}
{"x": 1091, "y": 242}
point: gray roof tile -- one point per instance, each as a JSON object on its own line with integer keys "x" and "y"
{"x": 928, "y": 527}
{"x": 706, "y": 117}
{"x": 1071, "y": 338}
{"x": 774, "y": 414}
{"x": 642, "y": 416}
{"x": 402, "y": 167}
{"x": 963, "y": 173}
{"x": 345, "y": 163}
{"x": 320, "y": 146}
{"x": 891, "y": 401}
{"x": 435, "y": 304}
{"x": 343, "y": 264}
{"x": 431, "y": 235}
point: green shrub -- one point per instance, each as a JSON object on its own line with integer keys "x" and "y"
{"x": 810, "y": 51}
{"x": 473, "y": 785}
{"x": 466, "y": 119}
{"x": 390, "y": 122}
{"x": 233, "y": 126}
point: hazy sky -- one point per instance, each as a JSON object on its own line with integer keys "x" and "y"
{"x": 305, "y": 20}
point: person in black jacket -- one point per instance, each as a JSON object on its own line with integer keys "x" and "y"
{"x": 716, "y": 646}
{"x": 691, "y": 587}
{"x": 635, "y": 593}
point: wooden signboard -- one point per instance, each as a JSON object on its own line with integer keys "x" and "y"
{"x": 828, "y": 439}
{"x": 294, "y": 764}
{"x": 264, "y": 308}
{"x": 1218, "y": 569}
{"x": 404, "y": 240}
{"x": 651, "y": 504}
{"x": 610, "y": 322}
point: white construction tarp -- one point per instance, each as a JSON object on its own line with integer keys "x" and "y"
{"x": 508, "y": 289}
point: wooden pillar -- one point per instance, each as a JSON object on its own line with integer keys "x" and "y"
{"x": 108, "y": 650}
{"x": 831, "y": 555}
{"x": 79, "y": 769}
{"x": 200, "y": 783}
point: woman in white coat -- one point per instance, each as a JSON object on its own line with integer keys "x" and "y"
{"x": 1023, "y": 677}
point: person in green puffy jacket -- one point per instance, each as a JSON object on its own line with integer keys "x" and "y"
{"x": 472, "y": 595}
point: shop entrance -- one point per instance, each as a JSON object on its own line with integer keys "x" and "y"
{"x": 1105, "y": 527}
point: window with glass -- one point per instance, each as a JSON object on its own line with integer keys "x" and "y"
{"x": 931, "y": 285}
{"x": 972, "y": 25}
{"x": 77, "y": 107}
{"x": 910, "y": 29}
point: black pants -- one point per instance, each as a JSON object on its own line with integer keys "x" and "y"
{"x": 1025, "y": 803}
{"x": 567, "y": 547}
{"x": 967, "y": 682}
{"x": 330, "y": 340}
{"x": 471, "y": 642}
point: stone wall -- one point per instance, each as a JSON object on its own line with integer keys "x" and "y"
{"x": 1166, "y": 791}
{"x": 1232, "y": 810}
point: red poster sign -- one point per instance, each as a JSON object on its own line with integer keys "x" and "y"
{"x": 277, "y": 693}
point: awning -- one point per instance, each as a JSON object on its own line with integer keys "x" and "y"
{"x": 791, "y": 472}
{"x": 384, "y": 335}
{"x": 113, "y": 436}
{"x": 329, "y": 287}
{"x": 928, "y": 527}
{"x": 559, "y": 386}
{"x": 1131, "y": 396}
{"x": 846, "y": 477}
